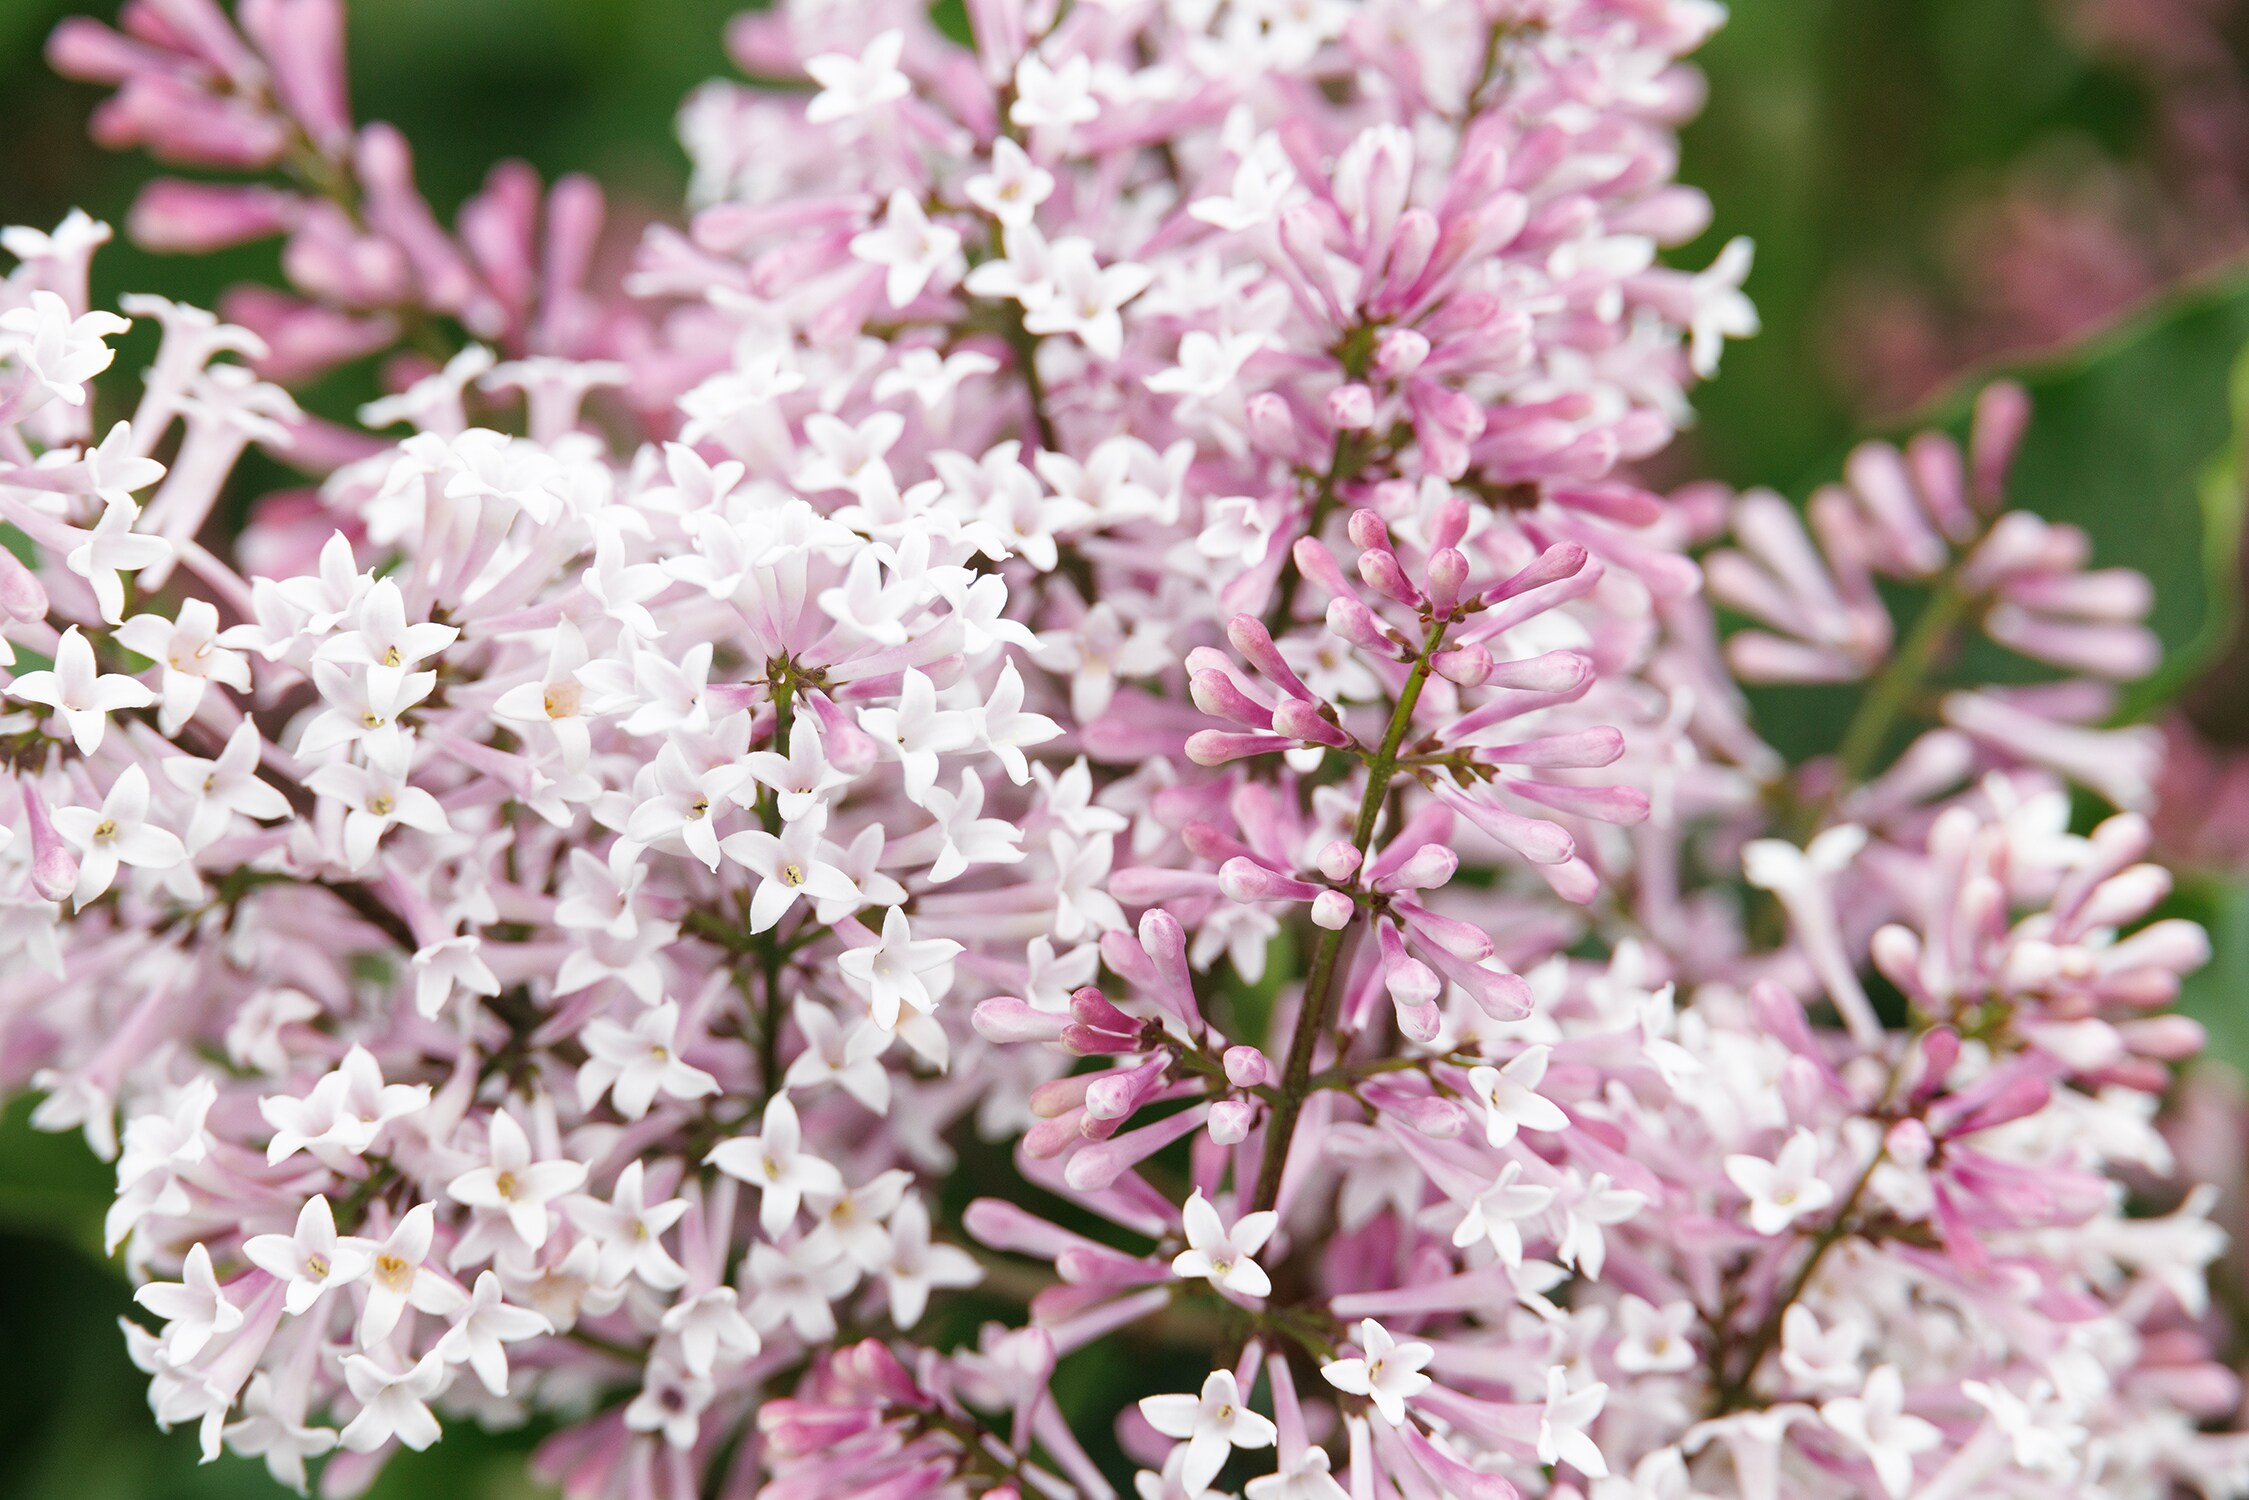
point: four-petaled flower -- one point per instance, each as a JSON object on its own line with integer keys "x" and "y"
{"x": 514, "y": 1185}
{"x": 1386, "y": 1372}
{"x": 111, "y": 548}
{"x": 1562, "y": 1424}
{"x": 633, "y": 1064}
{"x": 775, "y": 1163}
{"x": 1511, "y": 1098}
{"x": 81, "y": 694}
{"x": 482, "y": 1330}
{"x": 1212, "y": 1425}
{"x": 899, "y": 971}
{"x": 1782, "y": 1190}
{"x": 311, "y": 1262}
{"x": 1877, "y": 1421}
{"x": 1222, "y": 1256}
{"x": 195, "y": 1309}
{"x": 118, "y": 833}
{"x": 798, "y": 862}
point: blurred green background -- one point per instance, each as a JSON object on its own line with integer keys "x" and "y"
{"x": 1936, "y": 187}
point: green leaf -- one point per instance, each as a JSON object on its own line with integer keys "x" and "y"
{"x": 2137, "y": 440}
{"x": 51, "y": 1184}
{"x": 2217, "y": 995}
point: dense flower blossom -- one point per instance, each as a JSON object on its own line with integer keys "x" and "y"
{"x": 1093, "y": 600}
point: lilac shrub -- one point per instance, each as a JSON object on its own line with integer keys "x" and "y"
{"x": 1069, "y": 692}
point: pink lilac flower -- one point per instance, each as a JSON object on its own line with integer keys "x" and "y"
{"x": 1089, "y": 609}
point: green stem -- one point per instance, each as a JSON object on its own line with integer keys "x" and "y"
{"x": 781, "y": 680}
{"x": 1327, "y": 959}
{"x": 1025, "y": 345}
{"x": 1733, "y": 1393}
{"x": 781, "y": 683}
{"x": 1343, "y": 462}
{"x": 1900, "y": 681}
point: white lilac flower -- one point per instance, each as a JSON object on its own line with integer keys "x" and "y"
{"x": 1210, "y": 1425}
{"x": 1386, "y": 1371}
{"x": 1223, "y": 1256}
{"x": 81, "y": 695}
{"x": 775, "y": 1163}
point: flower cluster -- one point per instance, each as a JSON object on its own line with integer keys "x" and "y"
{"x": 1083, "y": 633}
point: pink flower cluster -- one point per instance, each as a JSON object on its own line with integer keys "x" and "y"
{"x": 1089, "y": 609}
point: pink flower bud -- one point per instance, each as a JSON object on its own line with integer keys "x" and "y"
{"x": 1004, "y": 1019}
{"x": 1387, "y": 577}
{"x": 1940, "y": 1049}
{"x": 1464, "y": 940}
{"x": 1303, "y": 240}
{"x": 1230, "y": 1121}
{"x": 1300, "y": 720}
{"x": 1439, "y": 1119}
{"x": 1366, "y": 530}
{"x": 1248, "y": 635}
{"x": 90, "y": 52}
{"x": 331, "y": 259}
{"x": 1419, "y": 1023}
{"x": 181, "y": 123}
{"x": 1247, "y": 1068}
{"x": 304, "y": 339}
{"x": 1621, "y": 805}
{"x": 303, "y": 42}
{"x": 1803, "y": 1091}
{"x": 196, "y": 218}
{"x": 1089, "y": 1041}
{"x": 1217, "y": 694}
{"x": 1001, "y": 1225}
{"x": 1563, "y": 560}
{"x": 22, "y": 596}
{"x": 1428, "y": 867}
{"x": 54, "y": 866}
{"x": 1908, "y": 1143}
{"x": 1398, "y": 353}
{"x": 1332, "y": 910}
{"x": 1212, "y": 747}
{"x": 1582, "y": 749}
{"x": 1351, "y": 408}
{"x": 1048, "y": 1139}
{"x": 1536, "y": 840}
{"x": 2002, "y": 415}
{"x": 1554, "y": 672}
{"x": 1445, "y": 422}
{"x": 1247, "y": 880}
{"x": 1470, "y": 666}
{"x": 1097, "y": 1166}
{"x": 1355, "y": 623}
{"x": 1089, "y": 1007}
{"x": 1448, "y": 572}
{"x": 1337, "y": 859}
{"x": 2165, "y": 1038}
{"x": 1273, "y": 427}
{"x": 1412, "y": 243}
{"x": 1317, "y": 563}
{"x": 1114, "y": 1096}
{"x": 1059, "y": 1096}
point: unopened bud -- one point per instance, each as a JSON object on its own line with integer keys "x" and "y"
{"x": 54, "y": 865}
{"x": 1246, "y": 1067}
{"x": 1351, "y": 408}
{"x": 1230, "y": 1120}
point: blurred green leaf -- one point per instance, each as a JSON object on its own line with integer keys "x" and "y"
{"x": 2218, "y": 994}
{"x": 51, "y": 1184}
